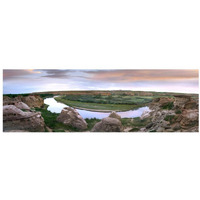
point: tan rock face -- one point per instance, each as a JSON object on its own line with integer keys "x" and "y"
{"x": 18, "y": 104}
{"x": 181, "y": 100}
{"x": 164, "y": 101}
{"x": 189, "y": 118}
{"x": 108, "y": 124}
{"x": 145, "y": 114}
{"x": 183, "y": 116}
{"x": 30, "y": 101}
{"x": 33, "y": 101}
{"x": 70, "y": 116}
{"x": 22, "y": 105}
{"x": 16, "y": 119}
{"x": 115, "y": 115}
{"x": 191, "y": 105}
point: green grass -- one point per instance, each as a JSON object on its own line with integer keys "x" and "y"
{"x": 97, "y": 106}
{"x": 178, "y": 112}
{"x": 52, "y": 123}
{"x": 113, "y": 98}
{"x": 91, "y": 122}
{"x": 169, "y": 118}
{"x": 135, "y": 123}
{"x": 168, "y": 106}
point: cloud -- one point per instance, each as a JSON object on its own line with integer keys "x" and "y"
{"x": 54, "y": 73}
{"x": 141, "y": 75}
{"x": 16, "y": 74}
{"x": 69, "y": 79}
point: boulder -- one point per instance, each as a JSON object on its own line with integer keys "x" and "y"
{"x": 6, "y": 98}
{"x": 115, "y": 115}
{"x": 108, "y": 124}
{"x": 70, "y": 116}
{"x": 16, "y": 119}
{"x": 160, "y": 129}
{"x": 181, "y": 100}
{"x": 145, "y": 114}
{"x": 191, "y": 105}
{"x": 30, "y": 100}
{"x": 165, "y": 101}
{"x": 22, "y": 106}
{"x": 176, "y": 126}
{"x": 189, "y": 118}
{"x": 18, "y": 104}
{"x": 33, "y": 101}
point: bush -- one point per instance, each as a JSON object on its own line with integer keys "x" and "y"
{"x": 91, "y": 122}
{"x": 168, "y": 106}
{"x": 169, "y": 118}
{"x": 178, "y": 112}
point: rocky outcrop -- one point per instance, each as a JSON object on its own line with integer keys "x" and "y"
{"x": 16, "y": 119}
{"x": 22, "y": 106}
{"x": 181, "y": 100}
{"x": 70, "y": 116}
{"x": 31, "y": 101}
{"x": 189, "y": 119}
{"x": 18, "y": 104}
{"x": 114, "y": 115}
{"x": 145, "y": 114}
{"x": 180, "y": 115}
{"x": 108, "y": 124}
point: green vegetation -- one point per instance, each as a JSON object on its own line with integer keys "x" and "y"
{"x": 91, "y": 122}
{"x": 24, "y": 110}
{"x": 168, "y": 106}
{"x": 52, "y": 123}
{"x": 45, "y": 95}
{"x": 112, "y": 102}
{"x": 109, "y": 99}
{"x": 178, "y": 112}
{"x": 15, "y": 95}
{"x": 96, "y": 106}
{"x": 170, "y": 118}
{"x": 136, "y": 123}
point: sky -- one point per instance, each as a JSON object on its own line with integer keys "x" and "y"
{"x": 42, "y": 80}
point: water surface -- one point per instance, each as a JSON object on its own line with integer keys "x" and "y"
{"x": 57, "y": 107}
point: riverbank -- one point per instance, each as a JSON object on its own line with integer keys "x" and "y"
{"x": 97, "y": 107}
{"x": 52, "y": 125}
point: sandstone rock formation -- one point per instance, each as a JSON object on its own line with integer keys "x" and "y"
{"x": 18, "y": 104}
{"x": 108, "y": 124}
{"x": 70, "y": 116}
{"x": 181, "y": 100}
{"x": 145, "y": 114}
{"x": 31, "y": 100}
{"x": 182, "y": 116}
{"x": 114, "y": 115}
{"x": 15, "y": 119}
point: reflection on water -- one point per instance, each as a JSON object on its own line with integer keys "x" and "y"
{"x": 57, "y": 107}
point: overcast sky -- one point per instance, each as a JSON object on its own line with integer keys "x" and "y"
{"x": 38, "y": 80}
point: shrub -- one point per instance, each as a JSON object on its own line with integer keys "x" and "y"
{"x": 168, "y": 106}
{"x": 91, "y": 122}
{"x": 178, "y": 112}
{"x": 169, "y": 118}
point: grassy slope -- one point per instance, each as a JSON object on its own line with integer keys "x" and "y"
{"x": 136, "y": 123}
{"x": 52, "y": 123}
{"x": 98, "y": 106}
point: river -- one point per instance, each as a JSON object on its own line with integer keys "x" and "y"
{"x": 57, "y": 107}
